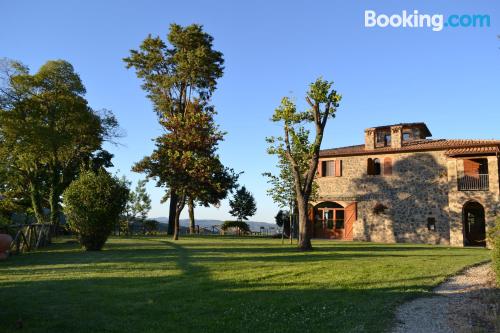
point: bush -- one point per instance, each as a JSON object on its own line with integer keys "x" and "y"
{"x": 494, "y": 238}
{"x": 151, "y": 226}
{"x": 93, "y": 204}
{"x": 241, "y": 226}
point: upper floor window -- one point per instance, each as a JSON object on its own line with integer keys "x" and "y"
{"x": 406, "y": 136}
{"x": 332, "y": 168}
{"x": 383, "y": 138}
{"x": 328, "y": 168}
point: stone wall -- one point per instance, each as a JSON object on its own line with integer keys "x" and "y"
{"x": 488, "y": 199}
{"x": 422, "y": 185}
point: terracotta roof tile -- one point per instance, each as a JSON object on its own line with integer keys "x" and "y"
{"x": 480, "y": 146}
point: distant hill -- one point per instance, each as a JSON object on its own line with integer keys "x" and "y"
{"x": 254, "y": 225}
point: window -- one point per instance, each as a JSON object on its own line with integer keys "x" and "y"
{"x": 331, "y": 168}
{"x": 374, "y": 167}
{"x": 377, "y": 169}
{"x": 383, "y": 138}
{"x": 416, "y": 133}
{"x": 328, "y": 168}
{"x": 431, "y": 224}
{"x": 406, "y": 136}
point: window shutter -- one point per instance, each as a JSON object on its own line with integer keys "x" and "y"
{"x": 338, "y": 168}
{"x": 319, "y": 172}
{"x": 370, "y": 170}
{"x": 471, "y": 168}
{"x": 387, "y": 166}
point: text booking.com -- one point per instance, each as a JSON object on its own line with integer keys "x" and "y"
{"x": 436, "y": 22}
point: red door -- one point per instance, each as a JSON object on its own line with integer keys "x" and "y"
{"x": 350, "y": 217}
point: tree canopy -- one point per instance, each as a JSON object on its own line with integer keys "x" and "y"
{"x": 243, "y": 204}
{"x": 48, "y": 133}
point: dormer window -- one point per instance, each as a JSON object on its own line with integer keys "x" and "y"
{"x": 383, "y": 138}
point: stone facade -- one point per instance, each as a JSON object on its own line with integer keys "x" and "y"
{"x": 420, "y": 193}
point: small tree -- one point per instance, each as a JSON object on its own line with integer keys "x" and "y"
{"x": 283, "y": 221}
{"x": 93, "y": 204}
{"x": 139, "y": 202}
{"x": 243, "y": 204}
{"x": 323, "y": 102}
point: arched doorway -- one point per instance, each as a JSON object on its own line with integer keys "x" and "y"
{"x": 328, "y": 219}
{"x": 474, "y": 224}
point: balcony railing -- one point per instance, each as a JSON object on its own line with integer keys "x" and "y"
{"x": 474, "y": 183}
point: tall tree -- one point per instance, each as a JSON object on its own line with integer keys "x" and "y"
{"x": 243, "y": 204}
{"x": 176, "y": 75}
{"x": 323, "y": 102}
{"x": 48, "y": 131}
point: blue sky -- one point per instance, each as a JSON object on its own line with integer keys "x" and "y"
{"x": 448, "y": 79}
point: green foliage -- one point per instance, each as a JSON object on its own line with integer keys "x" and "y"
{"x": 494, "y": 239}
{"x": 93, "y": 204}
{"x": 243, "y": 204}
{"x": 139, "y": 202}
{"x": 241, "y": 226}
{"x": 173, "y": 74}
{"x": 47, "y": 133}
{"x": 282, "y": 218}
{"x": 150, "y": 226}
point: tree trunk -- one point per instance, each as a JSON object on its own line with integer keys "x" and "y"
{"x": 54, "y": 201}
{"x": 181, "y": 201}
{"x": 192, "y": 225}
{"x": 174, "y": 198}
{"x": 36, "y": 202}
{"x": 176, "y": 224}
{"x": 304, "y": 226}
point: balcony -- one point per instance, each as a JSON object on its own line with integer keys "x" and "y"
{"x": 477, "y": 182}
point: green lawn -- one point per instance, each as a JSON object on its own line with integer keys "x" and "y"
{"x": 216, "y": 284}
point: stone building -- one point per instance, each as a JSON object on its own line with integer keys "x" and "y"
{"x": 401, "y": 186}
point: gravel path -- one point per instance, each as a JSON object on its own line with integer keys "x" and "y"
{"x": 468, "y": 302}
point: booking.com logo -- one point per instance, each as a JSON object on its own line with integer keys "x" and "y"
{"x": 416, "y": 20}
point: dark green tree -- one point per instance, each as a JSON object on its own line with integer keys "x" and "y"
{"x": 282, "y": 220}
{"x": 175, "y": 75}
{"x": 48, "y": 133}
{"x": 93, "y": 204}
{"x": 243, "y": 204}
{"x": 323, "y": 102}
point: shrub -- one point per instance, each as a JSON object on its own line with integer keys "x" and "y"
{"x": 151, "y": 226}
{"x": 239, "y": 225}
{"x": 494, "y": 238}
{"x": 93, "y": 204}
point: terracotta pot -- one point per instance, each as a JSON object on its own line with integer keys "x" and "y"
{"x": 5, "y": 241}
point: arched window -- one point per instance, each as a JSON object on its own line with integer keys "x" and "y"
{"x": 377, "y": 168}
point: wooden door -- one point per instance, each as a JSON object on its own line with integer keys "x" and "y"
{"x": 350, "y": 216}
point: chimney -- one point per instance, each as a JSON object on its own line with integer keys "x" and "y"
{"x": 369, "y": 138}
{"x": 396, "y": 136}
